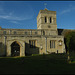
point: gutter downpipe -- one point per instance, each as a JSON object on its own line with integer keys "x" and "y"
{"x": 5, "y": 44}
{"x": 46, "y": 44}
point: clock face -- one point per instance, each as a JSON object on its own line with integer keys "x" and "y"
{"x": 49, "y": 26}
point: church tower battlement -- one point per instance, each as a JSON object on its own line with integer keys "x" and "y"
{"x": 46, "y": 20}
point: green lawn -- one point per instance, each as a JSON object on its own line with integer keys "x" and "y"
{"x": 40, "y": 64}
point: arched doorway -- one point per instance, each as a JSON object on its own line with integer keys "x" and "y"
{"x": 15, "y": 49}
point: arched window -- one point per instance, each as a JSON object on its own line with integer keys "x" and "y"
{"x": 50, "y": 20}
{"x": 45, "y": 19}
{"x": 52, "y": 43}
{"x": 32, "y": 43}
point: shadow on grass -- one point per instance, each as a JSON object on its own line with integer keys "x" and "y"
{"x": 41, "y": 64}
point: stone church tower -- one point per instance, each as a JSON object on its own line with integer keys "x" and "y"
{"x": 46, "y": 20}
{"x": 43, "y": 40}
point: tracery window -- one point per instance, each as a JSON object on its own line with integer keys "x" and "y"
{"x": 52, "y": 43}
{"x": 32, "y": 43}
{"x": 4, "y": 32}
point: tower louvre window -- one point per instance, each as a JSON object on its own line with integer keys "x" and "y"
{"x": 45, "y": 19}
{"x": 50, "y": 20}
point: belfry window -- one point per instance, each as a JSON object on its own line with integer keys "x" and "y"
{"x": 45, "y": 19}
{"x": 50, "y": 20}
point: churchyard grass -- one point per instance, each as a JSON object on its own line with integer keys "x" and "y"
{"x": 37, "y": 64}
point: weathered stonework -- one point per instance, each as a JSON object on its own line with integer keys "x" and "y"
{"x": 42, "y": 36}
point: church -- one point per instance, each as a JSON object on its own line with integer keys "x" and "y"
{"x": 43, "y": 40}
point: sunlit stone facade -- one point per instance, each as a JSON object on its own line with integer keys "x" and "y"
{"x": 43, "y": 40}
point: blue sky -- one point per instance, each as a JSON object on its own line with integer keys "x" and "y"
{"x": 22, "y": 14}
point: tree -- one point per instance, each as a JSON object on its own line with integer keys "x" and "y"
{"x": 70, "y": 40}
